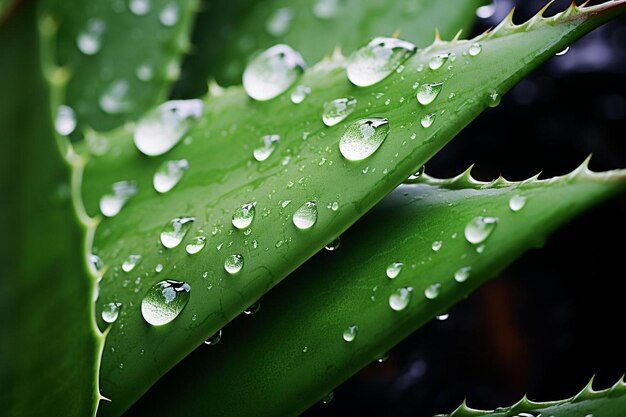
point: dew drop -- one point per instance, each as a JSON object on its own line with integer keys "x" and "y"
{"x": 432, "y": 291}
{"x": 328, "y": 398}
{"x": 65, "y": 120}
{"x": 116, "y": 98}
{"x": 269, "y": 144}
{"x": 400, "y": 298}
{"x": 168, "y": 174}
{"x": 169, "y": 15}
{"x": 279, "y": 22}
{"x": 111, "y": 204}
{"x": 443, "y": 317}
{"x": 244, "y": 215}
{"x": 379, "y": 58}
{"x": 427, "y": 93}
{"x": 175, "y": 230}
{"x": 272, "y": 72}
{"x": 418, "y": 173}
{"x": 437, "y": 244}
{"x": 215, "y": 339}
{"x": 131, "y": 262}
{"x": 325, "y": 9}
{"x": 363, "y": 137}
{"x": 299, "y": 94}
{"x": 350, "y": 333}
{"x": 334, "y": 245}
{"x": 161, "y": 129}
{"x": 517, "y": 202}
{"x": 144, "y": 72}
{"x": 110, "y": 312}
{"x": 164, "y": 301}
{"x": 479, "y": 229}
{"x": 563, "y": 52}
{"x": 158, "y": 268}
{"x": 475, "y": 49}
{"x": 139, "y": 7}
{"x": 306, "y": 216}
{"x": 253, "y": 309}
{"x": 485, "y": 12}
{"x": 383, "y": 357}
{"x": 462, "y": 274}
{"x": 493, "y": 98}
{"x": 427, "y": 120}
{"x": 337, "y": 110}
{"x": 233, "y": 263}
{"x": 95, "y": 262}
{"x": 89, "y": 41}
{"x": 196, "y": 245}
{"x": 437, "y": 61}
{"x": 394, "y": 269}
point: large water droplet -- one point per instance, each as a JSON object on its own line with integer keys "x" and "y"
{"x": 233, "y": 263}
{"x": 116, "y": 98}
{"x": 427, "y": 93}
{"x": 394, "y": 269}
{"x": 196, "y": 245}
{"x": 111, "y": 204}
{"x": 427, "y": 120}
{"x": 437, "y": 61}
{"x": 475, "y": 49}
{"x": 65, "y": 120}
{"x": 110, "y": 312}
{"x": 175, "y": 230}
{"x": 279, "y": 22}
{"x": 337, "y": 110}
{"x": 164, "y": 301}
{"x": 131, "y": 262}
{"x": 169, "y": 14}
{"x": 139, "y": 7}
{"x": 363, "y": 137}
{"x": 168, "y": 174}
{"x": 379, "y": 58}
{"x": 161, "y": 129}
{"x": 517, "y": 202}
{"x": 400, "y": 298}
{"x": 306, "y": 216}
{"x": 89, "y": 41}
{"x": 272, "y": 72}
{"x": 462, "y": 274}
{"x": 479, "y": 229}
{"x": 334, "y": 245}
{"x": 325, "y": 9}
{"x": 244, "y": 215}
{"x": 269, "y": 144}
{"x": 215, "y": 339}
{"x": 299, "y": 94}
{"x": 432, "y": 291}
{"x": 350, "y": 333}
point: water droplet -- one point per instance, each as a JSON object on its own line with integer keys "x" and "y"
{"x": 328, "y": 398}
{"x": 243, "y": 216}
{"x": 379, "y": 58}
{"x": 334, "y": 245}
{"x": 169, "y": 15}
{"x": 383, "y": 357}
{"x": 175, "y": 230}
{"x": 168, "y": 174}
{"x": 161, "y": 129}
{"x": 325, "y": 9}
{"x": 299, "y": 94}
{"x": 427, "y": 93}
{"x": 306, "y": 216}
{"x": 233, "y": 263}
{"x": 432, "y": 291}
{"x": 437, "y": 244}
{"x": 443, "y": 317}
{"x": 164, "y": 301}
{"x": 158, "y": 268}
{"x": 95, "y": 262}
{"x": 196, "y": 245}
{"x": 485, "y": 12}
{"x": 480, "y": 249}
{"x": 394, "y": 269}
{"x": 493, "y": 98}
{"x": 563, "y": 52}
{"x": 253, "y": 309}
{"x": 337, "y": 110}
{"x": 427, "y": 120}
{"x": 139, "y": 7}
{"x": 479, "y": 229}
{"x": 272, "y": 72}
{"x": 144, "y": 72}
{"x": 116, "y": 98}
{"x": 111, "y": 204}
{"x": 400, "y": 298}
{"x": 215, "y": 339}
{"x": 279, "y": 22}
{"x": 270, "y": 142}
{"x": 517, "y": 202}
{"x": 89, "y": 41}
{"x": 131, "y": 262}
{"x": 418, "y": 173}
{"x": 65, "y": 120}
{"x": 350, "y": 333}
{"x": 475, "y": 49}
{"x": 110, "y": 312}
{"x": 363, "y": 137}
{"x": 437, "y": 61}
{"x": 462, "y": 274}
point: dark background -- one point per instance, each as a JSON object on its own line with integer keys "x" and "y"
{"x": 555, "y": 317}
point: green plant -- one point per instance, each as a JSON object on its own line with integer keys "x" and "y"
{"x": 253, "y": 190}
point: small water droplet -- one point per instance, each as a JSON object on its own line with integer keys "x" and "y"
{"x": 479, "y": 229}
{"x": 394, "y": 269}
{"x": 116, "y": 98}
{"x": 306, "y": 216}
{"x": 95, "y": 262}
{"x": 363, "y": 137}
{"x": 334, "y": 245}
{"x": 161, "y": 129}
{"x": 325, "y": 9}
{"x": 437, "y": 244}
{"x": 65, "y": 120}
{"x": 400, "y": 298}
{"x": 158, "y": 268}
{"x": 462, "y": 274}
{"x": 215, "y": 339}
{"x": 131, "y": 262}
{"x": 337, "y": 110}
{"x": 427, "y": 120}
{"x": 144, "y": 72}
{"x": 279, "y": 22}
{"x": 168, "y": 174}
{"x": 175, "y": 230}
{"x": 427, "y": 93}
{"x": 383, "y": 357}
{"x": 475, "y": 49}
{"x": 493, "y": 98}
{"x": 437, "y": 61}
{"x": 443, "y": 317}
{"x": 110, "y": 312}
{"x": 244, "y": 215}
{"x": 169, "y": 14}
{"x": 485, "y": 12}
{"x": 480, "y": 249}
{"x": 270, "y": 142}
{"x": 563, "y": 52}
{"x": 432, "y": 291}
{"x": 299, "y": 94}
{"x": 139, "y": 7}
{"x": 233, "y": 263}
{"x": 253, "y": 309}
{"x": 517, "y": 202}
{"x": 164, "y": 301}
{"x": 350, "y": 333}
{"x": 418, "y": 173}
{"x": 89, "y": 40}
{"x": 328, "y": 398}
{"x": 272, "y": 72}
{"x": 379, "y": 58}
{"x": 196, "y": 245}
{"x": 111, "y": 204}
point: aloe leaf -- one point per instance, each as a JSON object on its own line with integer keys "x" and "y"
{"x": 294, "y": 353}
{"x": 49, "y": 343}
{"x": 609, "y": 402}
{"x": 306, "y": 166}
{"x": 221, "y": 49}
{"x": 119, "y": 57}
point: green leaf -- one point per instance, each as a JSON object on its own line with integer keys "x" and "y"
{"x": 306, "y": 166}
{"x": 292, "y": 354}
{"x": 228, "y": 34}
{"x": 49, "y": 344}
{"x": 118, "y": 62}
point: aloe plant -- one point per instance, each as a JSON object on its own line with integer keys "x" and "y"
{"x": 191, "y": 210}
